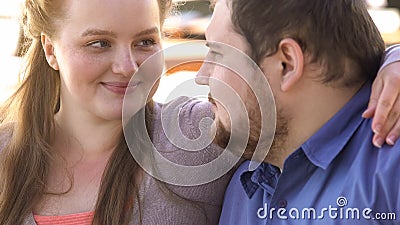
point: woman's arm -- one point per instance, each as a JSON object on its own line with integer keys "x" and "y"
{"x": 384, "y": 104}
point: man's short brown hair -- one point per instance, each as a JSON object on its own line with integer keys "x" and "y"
{"x": 338, "y": 34}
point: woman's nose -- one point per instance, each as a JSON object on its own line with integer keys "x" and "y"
{"x": 125, "y": 63}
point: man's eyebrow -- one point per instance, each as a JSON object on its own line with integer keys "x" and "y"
{"x": 214, "y": 45}
{"x": 99, "y": 32}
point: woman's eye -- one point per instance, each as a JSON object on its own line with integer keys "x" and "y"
{"x": 146, "y": 43}
{"x": 99, "y": 44}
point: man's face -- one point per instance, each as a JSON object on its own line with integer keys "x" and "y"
{"x": 228, "y": 90}
{"x": 233, "y": 81}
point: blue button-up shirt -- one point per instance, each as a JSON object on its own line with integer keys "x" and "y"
{"x": 336, "y": 177}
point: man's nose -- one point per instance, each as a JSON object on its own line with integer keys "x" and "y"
{"x": 203, "y": 76}
{"x": 125, "y": 63}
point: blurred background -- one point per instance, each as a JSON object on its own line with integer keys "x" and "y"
{"x": 187, "y": 22}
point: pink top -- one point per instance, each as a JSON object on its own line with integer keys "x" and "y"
{"x": 72, "y": 219}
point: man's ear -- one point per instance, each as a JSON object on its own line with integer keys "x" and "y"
{"x": 48, "y": 48}
{"x": 292, "y": 62}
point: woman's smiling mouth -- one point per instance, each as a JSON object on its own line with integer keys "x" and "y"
{"x": 120, "y": 88}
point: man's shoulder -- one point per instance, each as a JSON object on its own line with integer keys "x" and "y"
{"x": 379, "y": 159}
{"x": 375, "y": 169}
{"x": 363, "y": 141}
{"x": 388, "y": 158}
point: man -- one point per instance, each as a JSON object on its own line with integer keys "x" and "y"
{"x": 319, "y": 57}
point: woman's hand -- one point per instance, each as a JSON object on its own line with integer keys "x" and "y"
{"x": 384, "y": 105}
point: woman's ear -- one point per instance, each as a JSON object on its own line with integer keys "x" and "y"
{"x": 48, "y": 48}
{"x": 292, "y": 58}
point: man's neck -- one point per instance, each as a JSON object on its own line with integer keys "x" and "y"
{"x": 309, "y": 108}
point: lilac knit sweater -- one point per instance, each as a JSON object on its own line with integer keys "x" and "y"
{"x": 160, "y": 207}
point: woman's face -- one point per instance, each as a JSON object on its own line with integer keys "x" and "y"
{"x": 98, "y": 47}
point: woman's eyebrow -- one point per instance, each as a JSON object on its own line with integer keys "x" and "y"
{"x": 98, "y": 32}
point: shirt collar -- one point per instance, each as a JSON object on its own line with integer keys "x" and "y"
{"x": 265, "y": 176}
{"x": 328, "y": 141}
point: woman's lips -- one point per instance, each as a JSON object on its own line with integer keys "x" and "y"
{"x": 120, "y": 88}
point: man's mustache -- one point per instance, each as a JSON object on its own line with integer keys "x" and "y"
{"x": 211, "y": 99}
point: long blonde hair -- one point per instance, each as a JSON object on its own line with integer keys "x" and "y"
{"x": 27, "y": 119}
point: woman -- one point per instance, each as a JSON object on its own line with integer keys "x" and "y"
{"x": 82, "y": 56}
{"x": 65, "y": 159}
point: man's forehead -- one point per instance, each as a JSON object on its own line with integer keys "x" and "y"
{"x": 220, "y": 24}
{"x": 220, "y": 29}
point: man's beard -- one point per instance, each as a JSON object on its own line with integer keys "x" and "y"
{"x": 223, "y": 135}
